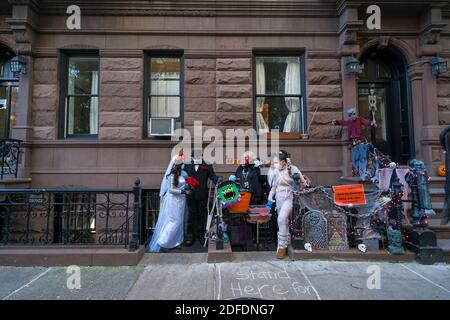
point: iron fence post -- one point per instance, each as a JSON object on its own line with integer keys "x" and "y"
{"x": 16, "y": 169}
{"x": 135, "y": 239}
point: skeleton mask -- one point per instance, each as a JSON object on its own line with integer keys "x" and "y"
{"x": 352, "y": 113}
{"x": 197, "y": 157}
{"x": 308, "y": 247}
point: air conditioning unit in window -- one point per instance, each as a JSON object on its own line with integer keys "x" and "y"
{"x": 162, "y": 126}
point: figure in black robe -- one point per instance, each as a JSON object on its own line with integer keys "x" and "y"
{"x": 249, "y": 177}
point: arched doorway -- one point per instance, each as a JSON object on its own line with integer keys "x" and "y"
{"x": 9, "y": 93}
{"x": 384, "y": 85}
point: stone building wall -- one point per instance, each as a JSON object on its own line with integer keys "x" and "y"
{"x": 234, "y": 93}
{"x": 443, "y": 90}
{"x": 324, "y": 97}
{"x": 218, "y": 92}
{"x": 44, "y": 108}
{"x": 199, "y": 92}
{"x": 121, "y": 101}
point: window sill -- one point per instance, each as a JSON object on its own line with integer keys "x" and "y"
{"x": 81, "y": 137}
{"x": 287, "y": 135}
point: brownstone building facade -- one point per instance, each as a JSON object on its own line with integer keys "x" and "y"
{"x": 84, "y": 104}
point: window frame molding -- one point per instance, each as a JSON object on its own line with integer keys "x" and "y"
{"x": 9, "y": 85}
{"x": 65, "y": 55}
{"x": 148, "y": 55}
{"x": 301, "y": 54}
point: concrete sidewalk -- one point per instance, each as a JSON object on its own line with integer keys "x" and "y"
{"x": 257, "y": 275}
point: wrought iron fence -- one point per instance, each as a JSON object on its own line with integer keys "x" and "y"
{"x": 71, "y": 217}
{"x": 9, "y": 157}
{"x": 150, "y": 211}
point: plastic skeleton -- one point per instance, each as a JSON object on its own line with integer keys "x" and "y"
{"x": 209, "y": 220}
{"x": 373, "y": 104}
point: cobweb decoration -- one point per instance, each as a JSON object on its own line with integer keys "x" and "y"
{"x": 321, "y": 198}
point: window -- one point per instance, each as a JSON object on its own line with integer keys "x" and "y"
{"x": 81, "y": 96}
{"x": 279, "y": 98}
{"x": 164, "y": 92}
{"x": 9, "y": 92}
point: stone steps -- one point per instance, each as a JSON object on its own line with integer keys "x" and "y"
{"x": 437, "y": 182}
{"x": 437, "y": 195}
{"x": 445, "y": 245}
{"x": 442, "y": 232}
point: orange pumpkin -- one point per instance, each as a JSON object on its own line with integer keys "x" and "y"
{"x": 441, "y": 171}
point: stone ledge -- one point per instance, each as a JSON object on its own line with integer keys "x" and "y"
{"x": 214, "y": 256}
{"x": 66, "y": 256}
{"x": 12, "y": 183}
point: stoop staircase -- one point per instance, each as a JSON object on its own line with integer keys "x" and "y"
{"x": 442, "y": 232}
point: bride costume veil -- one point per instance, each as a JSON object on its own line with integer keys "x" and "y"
{"x": 169, "y": 230}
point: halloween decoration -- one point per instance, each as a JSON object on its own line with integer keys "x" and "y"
{"x": 360, "y": 150}
{"x": 287, "y": 179}
{"x": 362, "y": 247}
{"x": 395, "y": 239}
{"x": 197, "y": 200}
{"x": 441, "y": 171}
{"x": 228, "y": 193}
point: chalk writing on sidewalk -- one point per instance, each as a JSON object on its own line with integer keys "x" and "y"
{"x": 267, "y": 284}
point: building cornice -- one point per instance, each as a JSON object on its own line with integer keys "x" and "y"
{"x": 193, "y": 7}
{"x": 33, "y": 4}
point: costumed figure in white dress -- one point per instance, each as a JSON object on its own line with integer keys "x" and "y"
{"x": 169, "y": 231}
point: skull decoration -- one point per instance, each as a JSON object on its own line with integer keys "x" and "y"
{"x": 308, "y": 247}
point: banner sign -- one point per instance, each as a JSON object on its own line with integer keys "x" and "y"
{"x": 352, "y": 194}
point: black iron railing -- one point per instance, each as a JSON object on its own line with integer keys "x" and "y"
{"x": 71, "y": 217}
{"x": 9, "y": 157}
{"x": 150, "y": 212}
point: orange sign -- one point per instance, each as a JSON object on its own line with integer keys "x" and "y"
{"x": 352, "y": 194}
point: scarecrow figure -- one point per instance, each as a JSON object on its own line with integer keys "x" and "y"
{"x": 359, "y": 149}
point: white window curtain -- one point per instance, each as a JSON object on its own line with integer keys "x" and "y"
{"x": 261, "y": 125}
{"x": 165, "y": 106}
{"x": 93, "y": 110}
{"x": 70, "y": 107}
{"x": 292, "y": 86}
